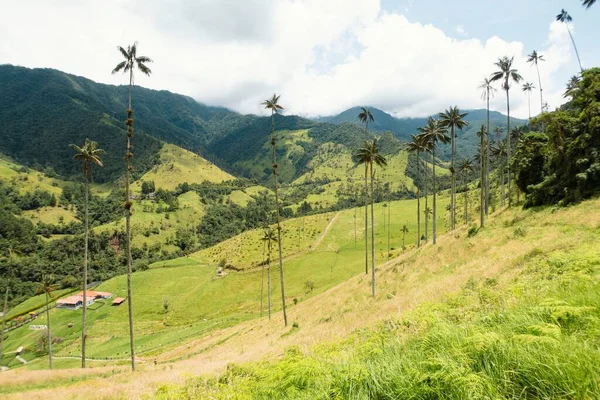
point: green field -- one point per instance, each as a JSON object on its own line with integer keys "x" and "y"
{"x": 200, "y": 301}
{"x": 27, "y": 179}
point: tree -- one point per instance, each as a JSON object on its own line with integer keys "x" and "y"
{"x": 268, "y": 238}
{"x": 565, "y": 18}
{"x": 46, "y": 286}
{"x": 131, "y": 61}
{"x": 535, "y": 59}
{"x": 427, "y": 213}
{"x": 416, "y": 146}
{"x": 506, "y": 73}
{"x": 452, "y": 118}
{"x": 431, "y": 134}
{"x": 572, "y": 86}
{"x": 88, "y": 155}
{"x": 369, "y": 154}
{"x": 465, "y": 167}
{"x": 588, "y": 3}
{"x": 273, "y": 105}
{"x": 404, "y": 232}
{"x": 4, "y": 312}
{"x": 487, "y": 91}
{"x": 365, "y": 116}
{"x": 528, "y": 87}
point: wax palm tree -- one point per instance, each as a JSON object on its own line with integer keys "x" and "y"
{"x": 487, "y": 91}
{"x": 432, "y": 134}
{"x": 46, "y": 286}
{"x": 269, "y": 238}
{"x": 453, "y": 119}
{"x": 415, "y": 146}
{"x": 128, "y": 65}
{"x": 427, "y": 212}
{"x": 565, "y": 18}
{"x": 528, "y": 88}
{"x": 534, "y": 58}
{"x": 369, "y": 154}
{"x": 507, "y": 73}
{"x": 499, "y": 150}
{"x": 404, "y": 231}
{"x": 465, "y": 167}
{"x": 484, "y": 148}
{"x": 572, "y": 86}
{"x": 365, "y": 117}
{"x": 273, "y": 105}
{"x": 88, "y": 155}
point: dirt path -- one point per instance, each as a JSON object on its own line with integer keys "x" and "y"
{"x": 320, "y": 239}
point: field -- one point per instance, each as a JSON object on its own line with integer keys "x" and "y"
{"x": 199, "y": 301}
{"x": 177, "y": 166}
{"x": 522, "y": 292}
{"x": 27, "y": 179}
{"x": 51, "y": 215}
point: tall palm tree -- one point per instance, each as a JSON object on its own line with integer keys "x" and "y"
{"x": 452, "y": 118}
{"x": 507, "y": 73}
{"x": 433, "y": 133}
{"x": 501, "y": 153}
{"x": 464, "y": 167}
{"x": 572, "y": 86}
{"x": 369, "y": 154}
{"x": 484, "y": 146}
{"x": 365, "y": 117}
{"x": 415, "y": 146}
{"x": 528, "y": 87}
{"x": 273, "y": 105}
{"x": 535, "y": 58}
{"x": 128, "y": 65}
{"x": 565, "y": 18}
{"x": 269, "y": 238}
{"x": 427, "y": 213}
{"x": 487, "y": 91}
{"x": 404, "y": 231}
{"x": 46, "y": 286}
{"x": 88, "y": 155}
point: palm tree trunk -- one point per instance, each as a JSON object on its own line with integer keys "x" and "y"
{"x": 529, "y": 105}
{"x": 372, "y": 236}
{"x": 502, "y": 195}
{"x": 487, "y": 157}
{"x": 262, "y": 280}
{"x": 48, "y": 329}
{"x": 366, "y": 219}
{"x": 128, "y": 206}
{"x": 277, "y": 216}
{"x": 508, "y": 149}
{"x": 482, "y": 200}
{"x": 426, "y": 212}
{"x": 4, "y": 311}
{"x": 388, "y": 230}
{"x": 85, "y": 277}
{"x": 541, "y": 91}
{"x": 453, "y": 191}
{"x": 467, "y": 204}
{"x": 418, "y": 208}
{"x": 434, "y": 199}
{"x": 575, "y": 47}
{"x": 269, "y": 281}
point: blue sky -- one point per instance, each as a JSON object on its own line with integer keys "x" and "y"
{"x": 408, "y": 57}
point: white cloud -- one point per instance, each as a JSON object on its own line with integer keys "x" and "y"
{"x": 321, "y": 56}
{"x": 460, "y": 29}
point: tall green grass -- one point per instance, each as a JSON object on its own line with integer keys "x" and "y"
{"x": 535, "y": 337}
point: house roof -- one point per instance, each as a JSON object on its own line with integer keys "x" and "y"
{"x": 70, "y": 300}
{"x": 119, "y": 300}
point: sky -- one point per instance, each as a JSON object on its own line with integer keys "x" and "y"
{"x": 411, "y": 58}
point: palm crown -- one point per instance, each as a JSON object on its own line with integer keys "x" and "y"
{"x": 432, "y": 133}
{"x": 132, "y": 60}
{"x": 365, "y": 115}
{"x": 273, "y": 104}
{"x": 453, "y": 118}
{"x": 465, "y": 166}
{"x": 564, "y": 16}
{"x": 588, "y": 3}
{"x": 89, "y": 154}
{"x": 528, "y": 87}
{"x": 506, "y": 72}
{"x": 535, "y": 57}
{"x": 486, "y": 87}
{"x": 369, "y": 153}
{"x": 572, "y": 86}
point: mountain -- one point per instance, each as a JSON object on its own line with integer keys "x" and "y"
{"x": 403, "y": 128}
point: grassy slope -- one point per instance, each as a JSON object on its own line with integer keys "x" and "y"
{"x": 523, "y": 292}
{"x": 177, "y": 166}
{"x": 200, "y": 302}
{"x": 30, "y": 180}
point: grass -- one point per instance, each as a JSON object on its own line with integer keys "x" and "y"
{"x": 200, "y": 302}
{"x": 28, "y": 180}
{"x": 177, "y": 166}
{"x": 495, "y": 315}
{"x": 35, "y": 302}
{"x": 51, "y": 215}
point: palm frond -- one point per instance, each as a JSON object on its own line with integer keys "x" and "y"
{"x": 119, "y": 67}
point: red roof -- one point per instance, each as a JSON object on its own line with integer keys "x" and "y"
{"x": 119, "y": 300}
{"x": 69, "y": 300}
